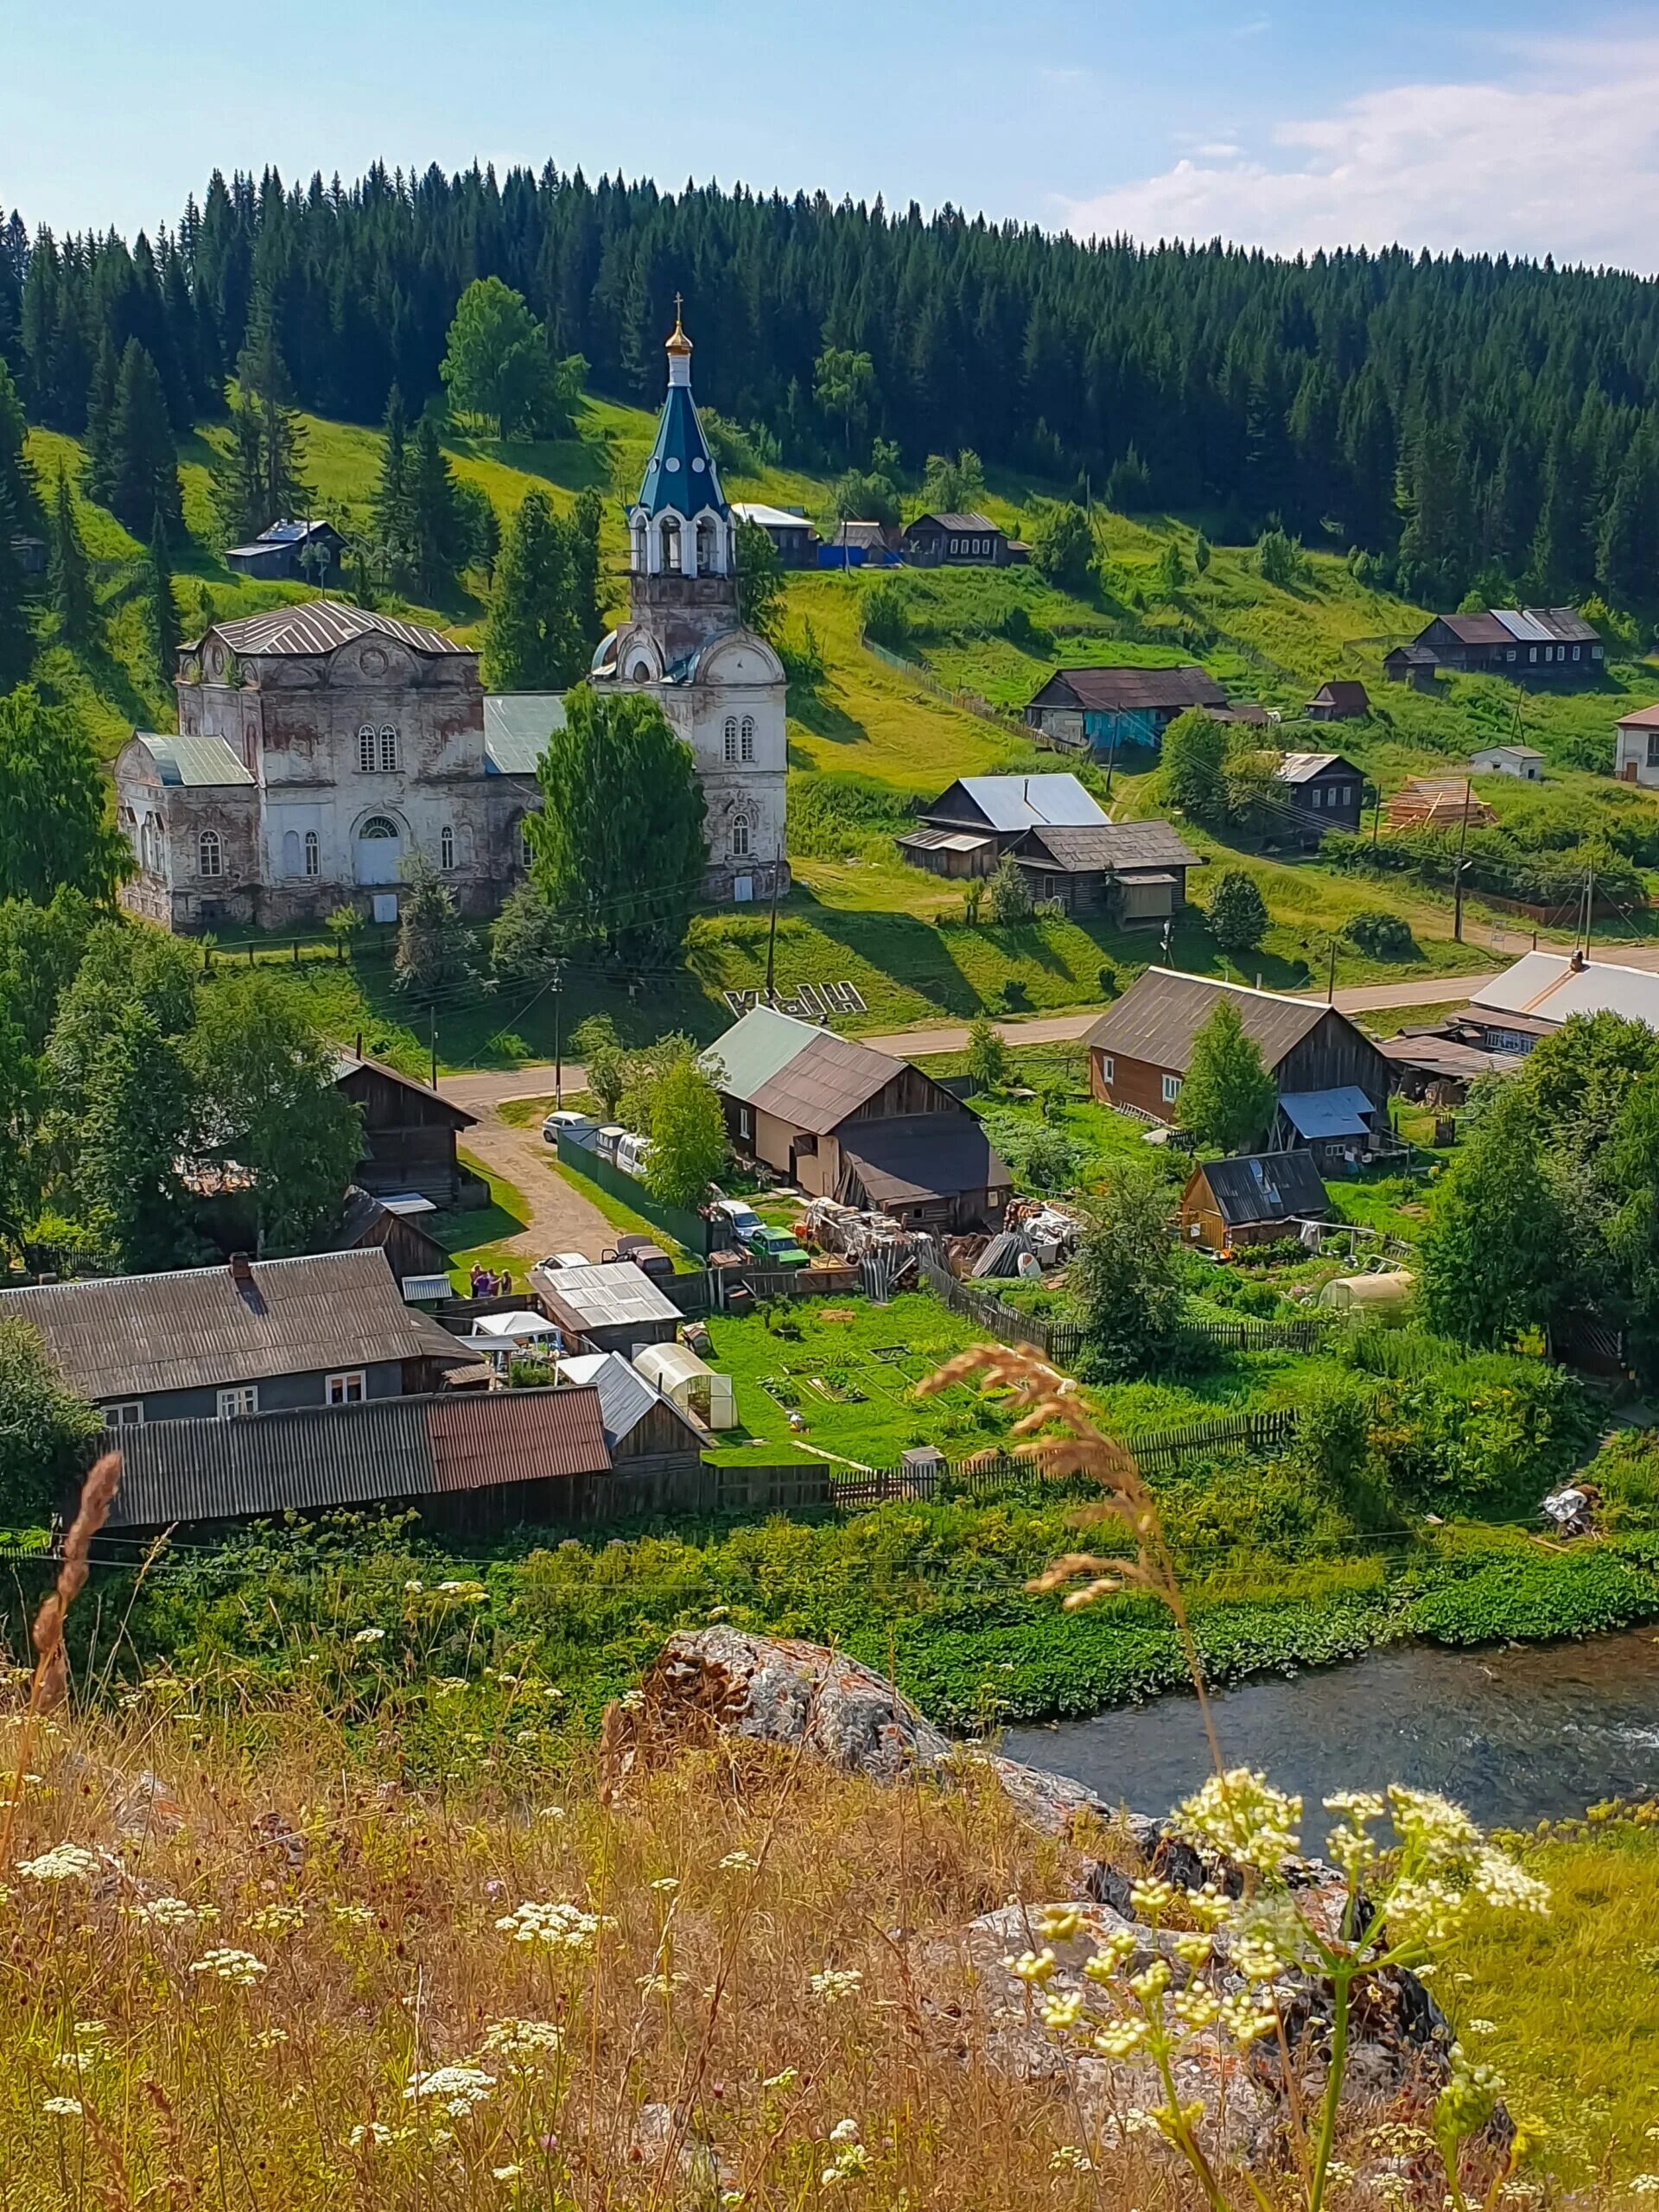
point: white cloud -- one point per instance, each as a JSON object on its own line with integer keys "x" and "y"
{"x": 1562, "y": 158}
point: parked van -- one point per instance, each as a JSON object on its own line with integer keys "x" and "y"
{"x": 582, "y": 1128}
{"x": 606, "y": 1140}
{"x": 631, "y": 1153}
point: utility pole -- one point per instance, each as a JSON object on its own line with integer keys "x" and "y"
{"x": 1457, "y": 890}
{"x": 558, "y": 1034}
{"x": 1376, "y": 811}
{"x": 1331, "y": 976}
{"x": 432, "y": 1017}
{"x": 771, "y": 926}
{"x": 1111, "y": 757}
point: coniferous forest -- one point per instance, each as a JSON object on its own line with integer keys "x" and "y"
{"x": 1462, "y": 422}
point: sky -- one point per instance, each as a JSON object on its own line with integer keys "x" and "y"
{"x": 1494, "y": 125}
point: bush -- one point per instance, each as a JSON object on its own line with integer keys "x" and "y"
{"x": 885, "y": 613}
{"x": 1381, "y": 935}
{"x": 835, "y": 816}
{"x": 1129, "y": 486}
{"x": 1279, "y": 559}
{"x": 1010, "y": 893}
{"x": 1487, "y": 1436}
{"x": 1062, "y": 547}
{"x": 1238, "y": 914}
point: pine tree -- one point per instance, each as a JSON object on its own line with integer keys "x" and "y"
{"x": 434, "y": 516}
{"x": 268, "y": 390}
{"x": 162, "y": 610}
{"x": 100, "y": 413}
{"x": 394, "y": 513}
{"x": 73, "y": 597}
{"x": 238, "y": 480}
{"x": 1627, "y": 558}
{"x": 142, "y": 468}
{"x": 17, "y": 624}
{"x": 531, "y": 642}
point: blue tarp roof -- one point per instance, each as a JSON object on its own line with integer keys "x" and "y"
{"x": 1339, "y": 1113}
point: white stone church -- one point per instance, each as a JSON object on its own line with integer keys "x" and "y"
{"x": 321, "y": 745}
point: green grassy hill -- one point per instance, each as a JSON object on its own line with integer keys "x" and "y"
{"x": 869, "y": 741}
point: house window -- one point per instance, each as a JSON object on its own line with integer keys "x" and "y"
{"x": 209, "y": 856}
{"x": 1108, "y": 1068}
{"x": 739, "y": 836}
{"x": 313, "y": 853}
{"x": 525, "y": 851}
{"x": 128, "y": 1414}
{"x": 446, "y": 847}
{"x": 291, "y": 852}
{"x": 243, "y": 1399}
{"x": 731, "y": 740}
{"x": 346, "y": 1390}
{"x": 1511, "y": 654}
{"x": 745, "y": 1128}
{"x": 1595, "y": 653}
{"x": 1575, "y": 653}
{"x": 1532, "y": 652}
{"x": 1653, "y": 748}
{"x": 365, "y": 749}
{"x": 388, "y": 750}
{"x": 747, "y": 747}
{"x": 1172, "y": 1089}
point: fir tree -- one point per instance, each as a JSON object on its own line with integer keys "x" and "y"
{"x": 394, "y": 511}
{"x": 531, "y": 643}
{"x": 584, "y": 573}
{"x": 100, "y": 414}
{"x": 17, "y": 622}
{"x": 434, "y": 516}
{"x": 72, "y": 598}
{"x": 142, "y": 472}
{"x": 161, "y": 608}
{"x": 1627, "y": 558}
{"x": 267, "y": 393}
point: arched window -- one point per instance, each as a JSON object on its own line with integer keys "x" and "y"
{"x": 668, "y": 540}
{"x": 313, "y": 853}
{"x": 705, "y": 547}
{"x": 388, "y": 750}
{"x": 377, "y": 827}
{"x": 641, "y": 671}
{"x": 208, "y": 856}
{"x": 731, "y": 738}
{"x": 446, "y": 847}
{"x": 739, "y": 836}
{"x": 291, "y": 852}
{"x": 748, "y": 737}
{"x": 365, "y": 749}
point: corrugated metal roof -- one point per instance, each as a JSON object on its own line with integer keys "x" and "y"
{"x": 1644, "y": 718}
{"x": 1476, "y": 629}
{"x": 1302, "y": 767}
{"x": 907, "y": 1158}
{"x": 192, "y": 761}
{"x": 1129, "y": 690}
{"x": 383, "y": 1449}
{"x": 1267, "y": 1186}
{"x": 956, "y": 522}
{"x": 1523, "y": 626}
{"x": 516, "y": 727}
{"x": 754, "y": 1048}
{"x": 321, "y": 625}
{"x": 605, "y": 1296}
{"x": 1011, "y": 803}
{"x": 624, "y": 1396}
{"x": 1118, "y": 846}
{"x": 757, "y": 511}
{"x": 1547, "y": 986}
{"x": 125, "y": 1335}
{"x": 821, "y": 1085}
{"x": 943, "y": 841}
{"x": 1160, "y": 1013}
{"x": 1342, "y": 1111}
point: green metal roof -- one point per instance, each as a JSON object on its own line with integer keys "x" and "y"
{"x": 758, "y": 1047}
{"x": 517, "y": 727}
{"x": 187, "y": 761}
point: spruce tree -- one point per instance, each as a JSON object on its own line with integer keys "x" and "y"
{"x": 530, "y": 639}
{"x": 268, "y": 390}
{"x": 1627, "y": 557}
{"x": 434, "y": 516}
{"x": 143, "y": 469}
{"x": 584, "y": 574}
{"x": 100, "y": 413}
{"x": 17, "y": 624}
{"x": 238, "y": 493}
{"x": 163, "y": 611}
{"x": 394, "y": 515}
{"x": 73, "y": 597}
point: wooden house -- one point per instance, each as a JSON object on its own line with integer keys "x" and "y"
{"x": 969, "y": 541}
{"x": 290, "y": 552}
{"x": 1324, "y": 792}
{"x": 792, "y": 536}
{"x": 1119, "y": 709}
{"x": 1411, "y": 665}
{"x": 1230, "y": 1204}
{"x": 1133, "y": 872}
{"x": 1332, "y": 1082}
{"x": 409, "y": 1134}
{"x": 394, "y": 1228}
{"x": 844, "y": 1122}
{"x": 969, "y": 828}
{"x": 1339, "y": 700}
{"x": 1529, "y": 644}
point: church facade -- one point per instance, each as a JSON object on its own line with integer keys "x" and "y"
{"x": 721, "y": 686}
{"x": 321, "y": 746}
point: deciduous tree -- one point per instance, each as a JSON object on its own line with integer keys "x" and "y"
{"x": 1238, "y": 914}
{"x": 54, "y": 829}
{"x": 688, "y": 1135}
{"x": 1123, "y": 1280}
{"x": 46, "y": 1433}
{"x": 1228, "y": 1096}
{"x": 759, "y": 581}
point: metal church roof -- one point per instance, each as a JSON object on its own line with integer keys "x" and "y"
{"x": 192, "y": 762}
{"x": 313, "y": 626}
{"x": 516, "y": 727}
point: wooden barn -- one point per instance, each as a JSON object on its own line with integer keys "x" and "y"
{"x": 409, "y": 1134}
{"x": 1230, "y": 1204}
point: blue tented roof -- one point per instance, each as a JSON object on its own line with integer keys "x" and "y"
{"x": 680, "y": 476}
{"x": 1318, "y": 1114}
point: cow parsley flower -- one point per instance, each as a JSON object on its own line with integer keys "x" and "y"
{"x": 64, "y": 1862}
{"x": 63, "y": 2108}
{"x": 275, "y": 1919}
{"x": 739, "y": 1862}
{"x": 561, "y": 1927}
{"x": 1239, "y": 1813}
{"x": 522, "y": 2043}
{"x": 833, "y": 1985}
{"x": 1061, "y": 1922}
{"x": 239, "y": 1968}
{"x": 168, "y": 1912}
{"x": 370, "y": 1635}
{"x": 457, "y": 2089}
{"x": 1069, "y": 2160}
{"x": 1063, "y": 2011}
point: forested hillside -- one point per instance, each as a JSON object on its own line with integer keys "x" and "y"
{"x": 1465, "y": 422}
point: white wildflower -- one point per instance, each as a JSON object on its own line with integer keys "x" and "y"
{"x": 370, "y": 1635}
{"x": 666, "y": 1882}
{"x": 63, "y": 2108}
{"x": 64, "y": 1862}
{"x": 1241, "y": 1814}
{"x": 375, "y": 2135}
{"x": 505, "y": 2173}
{"x": 844, "y": 2131}
{"x": 561, "y": 1927}
{"x": 457, "y": 2089}
{"x": 165, "y": 1912}
{"x": 1069, "y": 2160}
{"x": 739, "y": 1862}
{"x": 1120, "y": 2038}
{"x": 1480, "y": 2027}
{"x": 275, "y": 1919}
{"x": 361, "y": 1915}
{"x": 1063, "y": 2011}
{"x": 1034, "y": 1968}
{"x": 522, "y": 2043}
{"x": 1498, "y": 1880}
{"x": 240, "y": 1968}
{"x": 414, "y": 1587}
{"x": 833, "y": 1985}
{"x": 661, "y": 1984}
{"x": 1061, "y": 1922}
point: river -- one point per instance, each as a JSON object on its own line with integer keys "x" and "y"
{"x": 1516, "y": 1733}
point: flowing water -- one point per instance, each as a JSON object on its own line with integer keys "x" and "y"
{"x": 1515, "y": 1733}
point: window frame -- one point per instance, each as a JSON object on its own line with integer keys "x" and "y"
{"x": 337, "y": 1387}
{"x": 746, "y": 740}
{"x": 729, "y": 740}
{"x": 125, "y": 1413}
{"x": 1172, "y": 1089}
{"x": 312, "y": 853}
{"x": 209, "y": 842}
{"x": 1109, "y": 1067}
{"x": 367, "y": 735}
{"x": 741, "y": 837}
{"x": 237, "y": 1400}
{"x": 447, "y": 847}
{"x": 388, "y": 749}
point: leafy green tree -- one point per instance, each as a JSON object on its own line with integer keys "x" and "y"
{"x": 1063, "y": 547}
{"x": 238, "y": 491}
{"x": 953, "y": 488}
{"x": 585, "y": 518}
{"x": 1194, "y": 757}
{"x": 1050, "y": 1161}
{"x": 1279, "y": 558}
{"x": 598, "y": 1051}
{"x": 267, "y": 1100}
{"x": 1238, "y": 914}
{"x": 161, "y": 607}
{"x": 618, "y": 847}
{"x": 141, "y": 470}
{"x": 345, "y": 925}
{"x": 1492, "y": 1255}
{"x": 47, "y": 1435}
{"x": 1129, "y": 485}
{"x": 531, "y": 642}
{"x": 863, "y": 495}
{"x": 53, "y": 826}
{"x": 886, "y": 613}
{"x": 759, "y": 581}
{"x": 1170, "y": 573}
{"x": 497, "y": 364}
{"x": 688, "y": 1136}
{"x": 1253, "y": 799}
{"x": 526, "y": 937}
{"x": 1124, "y": 1282}
{"x": 74, "y": 599}
{"x": 843, "y": 384}
{"x": 1009, "y": 891}
{"x": 129, "y": 1142}
{"x": 394, "y": 506}
{"x": 41, "y": 948}
{"x": 1228, "y": 1096}
{"x": 434, "y": 949}
{"x": 988, "y": 1056}
{"x": 644, "y": 1069}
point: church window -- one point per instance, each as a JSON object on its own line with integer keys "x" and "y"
{"x": 388, "y": 750}
{"x": 446, "y": 847}
{"x": 671, "y": 544}
{"x": 377, "y": 827}
{"x": 291, "y": 852}
{"x": 313, "y": 853}
{"x": 739, "y": 836}
{"x": 748, "y": 737}
{"x": 731, "y": 738}
{"x": 705, "y": 547}
{"x": 365, "y": 749}
{"x": 208, "y": 856}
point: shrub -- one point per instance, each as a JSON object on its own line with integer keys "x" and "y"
{"x": 1129, "y": 486}
{"x": 835, "y": 816}
{"x": 885, "y": 613}
{"x": 1062, "y": 547}
{"x": 988, "y": 1056}
{"x": 1381, "y": 935}
{"x": 1238, "y": 914}
{"x": 1279, "y": 559}
{"x": 1487, "y": 1437}
{"x": 1010, "y": 893}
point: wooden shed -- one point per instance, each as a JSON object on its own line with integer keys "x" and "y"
{"x": 409, "y": 1134}
{"x": 1230, "y": 1204}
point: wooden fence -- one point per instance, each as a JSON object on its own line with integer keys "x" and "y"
{"x": 971, "y": 703}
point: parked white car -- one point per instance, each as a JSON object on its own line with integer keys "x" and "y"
{"x": 740, "y": 1218}
{"x": 557, "y": 1260}
{"x": 564, "y": 1121}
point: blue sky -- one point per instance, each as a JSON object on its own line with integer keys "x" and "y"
{"x": 1521, "y": 126}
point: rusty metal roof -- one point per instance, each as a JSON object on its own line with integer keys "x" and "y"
{"x": 321, "y": 625}
{"x": 1112, "y": 846}
{"x": 1160, "y": 1013}
{"x": 1129, "y": 691}
{"x": 383, "y": 1450}
{"x": 125, "y": 1335}
{"x": 823, "y": 1084}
